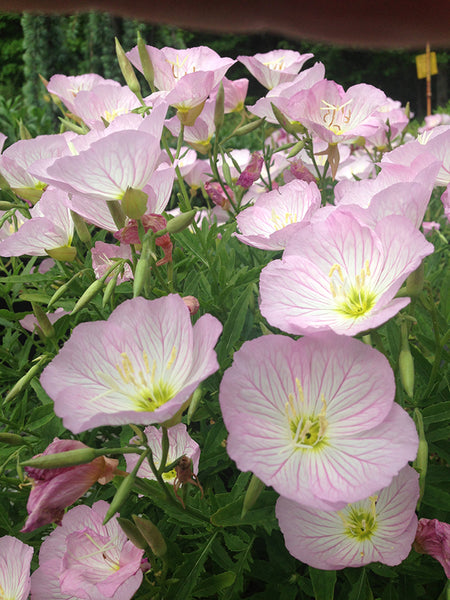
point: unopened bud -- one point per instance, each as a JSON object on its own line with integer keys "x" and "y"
{"x": 219, "y": 109}
{"x": 134, "y": 203}
{"x": 63, "y": 253}
{"x": 127, "y": 70}
{"x": 181, "y": 222}
{"x": 23, "y": 131}
{"x": 146, "y": 63}
{"x": 71, "y": 458}
{"x": 43, "y": 320}
{"x": 81, "y": 227}
{"x": 25, "y": 380}
{"x": 406, "y": 363}
{"x": 296, "y": 148}
{"x": 414, "y": 283}
{"x": 12, "y": 439}
{"x": 29, "y": 193}
{"x": 255, "y": 487}
{"x": 132, "y": 533}
{"x": 196, "y": 398}
{"x": 282, "y": 119}
{"x": 421, "y": 462}
{"x": 88, "y": 294}
{"x": 152, "y": 536}
{"x": 249, "y": 127}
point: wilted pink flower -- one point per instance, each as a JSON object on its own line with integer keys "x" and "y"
{"x": 49, "y": 228}
{"x": 55, "y": 489}
{"x": 433, "y": 538}
{"x": 140, "y": 366}
{"x": 218, "y": 195}
{"x": 180, "y": 443}
{"x": 380, "y": 528}
{"x": 103, "y": 256}
{"x": 15, "y": 560}
{"x": 275, "y": 67}
{"x": 276, "y": 215}
{"x": 316, "y": 418}
{"x": 252, "y": 171}
{"x": 337, "y": 274}
{"x": 298, "y": 170}
{"x": 192, "y": 303}
{"x": 130, "y": 235}
{"x": 85, "y": 559}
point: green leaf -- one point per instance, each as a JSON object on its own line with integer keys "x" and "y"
{"x": 262, "y": 514}
{"x": 323, "y": 583}
{"x": 436, "y": 413}
{"x": 234, "y": 325}
{"x": 361, "y": 588}
{"x": 211, "y": 586}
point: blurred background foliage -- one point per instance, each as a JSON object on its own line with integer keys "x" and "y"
{"x": 33, "y": 45}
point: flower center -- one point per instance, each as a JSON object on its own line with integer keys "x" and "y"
{"x": 336, "y": 117}
{"x": 360, "y": 522}
{"x": 307, "y": 431}
{"x": 276, "y": 65}
{"x": 279, "y": 222}
{"x": 353, "y": 299}
{"x": 147, "y": 391}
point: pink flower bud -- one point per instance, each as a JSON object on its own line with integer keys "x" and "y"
{"x": 55, "y": 489}
{"x": 252, "y": 171}
{"x": 433, "y": 538}
{"x": 217, "y": 195}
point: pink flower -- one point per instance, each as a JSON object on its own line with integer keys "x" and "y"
{"x": 55, "y": 489}
{"x": 66, "y": 87}
{"x": 235, "y": 92}
{"x": 198, "y": 135}
{"x": 49, "y": 228}
{"x": 181, "y": 444}
{"x": 275, "y": 67}
{"x": 379, "y": 528}
{"x": 15, "y": 560}
{"x": 103, "y": 256}
{"x": 85, "y": 559}
{"x": 338, "y": 116}
{"x": 140, "y": 366}
{"x": 337, "y": 274}
{"x": 276, "y": 215}
{"x": 429, "y": 226}
{"x": 104, "y": 103}
{"x": 445, "y": 199}
{"x": 298, "y": 170}
{"x": 316, "y": 418}
{"x": 252, "y": 171}
{"x": 433, "y": 538}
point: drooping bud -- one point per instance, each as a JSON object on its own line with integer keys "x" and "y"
{"x": 134, "y": 203}
{"x": 63, "y": 253}
{"x": 255, "y": 487}
{"x": 127, "y": 70}
{"x": 433, "y": 538}
{"x": 81, "y": 228}
{"x": 414, "y": 283}
{"x": 252, "y": 171}
{"x": 117, "y": 213}
{"x": 132, "y": 533}
{"x": 152, "y": 536}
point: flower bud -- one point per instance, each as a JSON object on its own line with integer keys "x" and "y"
{"x": 70, "y": 458}
{"x": 421, "y": 461}
{"x": 81, "y": 228}
{"x": 146, "y": 63}
{"x": 12, "y": 439}
{"x": 296, "y": 148}
{"x": 414, "y": 283}
{"x": 219, "y": 109}
{"x": 282, "y": 119}
{"x": 196, "y": 398}
{"x": 132, "y": 533}
{"x": 192, "y": 303}
{"x": 127, "y": 70}
{"x": 25, "y": 380}
{"x": 181, "y": 221}
{"x": 406, "y": 363}
{"x": 248, "y": 128}
{"x": 88, "y": 294}
{"x": 134, "y": 203}
{"x": 43, "y": 320}
{"x": 29, "y": 193}
{"x": 255, "y": 487}
{"x": 63, "y": 253}
{"x": 152, "y": 535}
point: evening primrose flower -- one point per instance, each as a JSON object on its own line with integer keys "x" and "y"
{"x": 140, "y": 366}
{"x": 275, "y": 67}
{"x": 380, "y": 528}
{"x": 86, "y": 559}
{"x": 338, "y": 274}
{"x": 275, "y": 215}
{"x": 180, "y": 444}
{"x": 315, "y": 418}
{"x": 15, "y": 559}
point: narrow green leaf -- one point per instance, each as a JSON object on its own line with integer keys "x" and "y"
{"x": 234, "y": 324}
{"x": 211, "y": 586}
{"x": 323, "y": 583}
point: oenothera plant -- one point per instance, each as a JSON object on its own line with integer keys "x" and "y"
{"x": 230, "y": 318}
